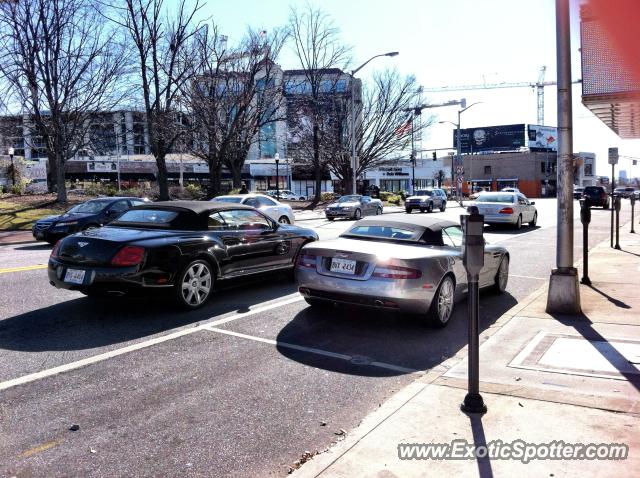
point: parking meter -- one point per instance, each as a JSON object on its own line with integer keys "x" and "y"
{"x": 633, "y": 204}
{"x": 473, "y": 242}
{"x": 618, "y": 204}
{"x": 585, "y": 218}
{"x": 473, "y": 260}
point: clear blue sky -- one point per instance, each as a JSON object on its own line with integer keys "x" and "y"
{"x": 451, "y": 42}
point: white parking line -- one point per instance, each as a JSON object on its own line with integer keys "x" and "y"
{"x": 528, "y": 277}
{"x": 313, "y": 350}
{"x": 32, "y": 377}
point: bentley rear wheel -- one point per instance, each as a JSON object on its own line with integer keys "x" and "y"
{"x": 194, "y": 284}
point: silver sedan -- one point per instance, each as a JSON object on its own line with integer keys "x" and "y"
{"x": 271, "y": 207}
{"x": 405, "y": 263}
{"x": 507, "y": 208}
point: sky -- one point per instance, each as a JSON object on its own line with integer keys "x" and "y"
{"x": 452, "y": 42}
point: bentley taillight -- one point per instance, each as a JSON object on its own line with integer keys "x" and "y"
{"x": 56, "y": 248}
{"x": 128, "y": 256}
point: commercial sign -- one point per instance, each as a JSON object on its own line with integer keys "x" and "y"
{"x": 95, "y": 167}
{"x": 542, "y": 138}
{"x": 491, "y": 138}
{"x": 613, "y": 155}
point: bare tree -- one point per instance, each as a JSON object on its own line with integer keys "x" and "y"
{"x": 321, "y": 55}
{"x": 60, "y": 64}
{"x": 164, "y": 46}
{"x": 385, "y": 125}
{"x": 234, "y": 98}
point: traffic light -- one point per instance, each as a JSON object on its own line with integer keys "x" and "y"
{"x": 434, "y": 155}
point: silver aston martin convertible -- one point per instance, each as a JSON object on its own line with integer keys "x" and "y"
{"x": 409, "y": 264}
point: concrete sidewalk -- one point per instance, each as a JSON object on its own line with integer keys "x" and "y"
{"x": 574, "y": 379}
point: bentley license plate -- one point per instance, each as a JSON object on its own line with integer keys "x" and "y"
{"x": 74, "y": 276}
{"x": 344, "y": 266}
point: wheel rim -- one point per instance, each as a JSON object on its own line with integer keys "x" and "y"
{"x": 357, "y": 215}
{"x": 519, "y": 223}
{"x": 196, "y": 284}
{"x": 535, "y": 219}
{"x": 378, "y": 211}
{"x": 445, "y": 300}
{"x": 283, "y": 220}
{"x": 503, "y": 274}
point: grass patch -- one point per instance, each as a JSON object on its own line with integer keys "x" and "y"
{"x": 16, "y": 216}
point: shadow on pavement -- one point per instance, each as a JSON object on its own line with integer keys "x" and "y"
{"x": 613, "y": 300}
{"x": 35, "y": 247}
{"x": 506, "y": 229}
{"x": 375, "y": 339}
{"x": 86, "y": 323}
{"x": 480, "y": 440}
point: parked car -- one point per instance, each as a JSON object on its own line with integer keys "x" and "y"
{"x": 577, "y": 192}
{"x": 426, "y": 200}
{"x": 286, "y": 194}
{"x": 273, "y": 208}
{"x": 510, "y": 190}
{"x": 408, "y": 264}
{"x": 88, "y": 215}
{"x": 507, "y": 208}
{"x": 178, "y": 247}
{"x": 624, "y": 192}
{"x": 353, "y": 206}
{"x": 597, "y": 196}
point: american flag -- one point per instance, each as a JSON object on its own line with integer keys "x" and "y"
{"x": 404, "y": 128}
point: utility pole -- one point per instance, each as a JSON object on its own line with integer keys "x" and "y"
{"x": 564, "y": 292}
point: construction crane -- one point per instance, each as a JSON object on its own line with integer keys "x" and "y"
{"x": 538, "y": 85}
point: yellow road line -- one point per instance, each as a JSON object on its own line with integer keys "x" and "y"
{"x": 39, "y": 448}
{"x": 24, "y": 268}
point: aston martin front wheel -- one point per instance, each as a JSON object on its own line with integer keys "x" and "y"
{"x": 194, "y": 284}
{"x": 502, "y": 276}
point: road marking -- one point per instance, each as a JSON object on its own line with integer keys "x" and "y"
{"x": 32, "y": 377}
{"x": 45, "y": 446}
{"x": 301, "y": 348}
{"x": 528, "y": 277}
{"x": 23, "y": 268}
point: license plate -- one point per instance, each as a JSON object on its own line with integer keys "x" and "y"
{"x": 344, "y": 266}
{"x": 74, "y": 276}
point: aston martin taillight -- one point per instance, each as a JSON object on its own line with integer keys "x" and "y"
{"x": 307, "y": 260}
{"x": 506, "y": 210}
{"x": 128, "y": 256}
{"x": 396, "y": 272}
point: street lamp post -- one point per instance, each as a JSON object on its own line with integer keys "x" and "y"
{"x": 13, "y": 168}
{"x": 277, "y": 179}
{"x": 354, "y": 159}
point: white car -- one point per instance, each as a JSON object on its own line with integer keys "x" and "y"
{"x": 505, "y": 207}
{"x": 277, "y": 211}
{"x": 510, "y": 190}
{"x": 286, "y": 194}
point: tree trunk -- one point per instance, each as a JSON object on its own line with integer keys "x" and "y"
{"x": 52, "y": 173}
{"x": 236, "y": 173}
{"x": 60, "y": 177}
{"x": 215, "y": 177}
{"x": 163, "y": 186}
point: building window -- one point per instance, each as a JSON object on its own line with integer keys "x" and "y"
{"x": 487, "y": 170}
{"x": 543, "y": 169}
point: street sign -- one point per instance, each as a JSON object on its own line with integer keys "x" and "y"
{"x": 459, "y": 170}
{"x": 613, "y": 155}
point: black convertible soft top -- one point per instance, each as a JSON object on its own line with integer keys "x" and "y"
{"x": 197, "y": 207}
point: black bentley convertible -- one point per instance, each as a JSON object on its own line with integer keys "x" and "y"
{"x": 180, "y": 246}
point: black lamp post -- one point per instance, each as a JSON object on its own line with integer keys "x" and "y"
{"x": 13, "y": 168}
{"x": 277, "y": 179}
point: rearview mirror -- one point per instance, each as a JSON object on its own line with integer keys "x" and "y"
{"x": 532, "y": 203}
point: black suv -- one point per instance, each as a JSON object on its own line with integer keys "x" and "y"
{"x": 88, "y": 215}
{"x": 597, "y": 196}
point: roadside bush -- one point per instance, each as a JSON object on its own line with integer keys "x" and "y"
{"x": 385, "y": 195}
{"x": 194, "y": 191}
{"x": 395, "y": 199}
{"x": 19, "y": 187}
{"x": 328, "y": 196}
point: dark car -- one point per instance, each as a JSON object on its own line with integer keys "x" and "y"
{"x": 178, "y": 247}
{"x": 88, "y": 215}
{"x": 597, "y": 196}
{"x": 577, "y": 192}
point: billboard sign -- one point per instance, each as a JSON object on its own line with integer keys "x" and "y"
{"x": 491, "y": 138}
{"x": 542, "y": 138}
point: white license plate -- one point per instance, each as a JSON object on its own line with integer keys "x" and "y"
{"x": 74, "y": 276}
{"x": 343, "y": 265}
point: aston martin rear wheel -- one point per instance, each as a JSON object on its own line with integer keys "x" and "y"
{"x": 194, "y": 284}
{"x": 502, "y": 276}
{"x": 442, "y": 305}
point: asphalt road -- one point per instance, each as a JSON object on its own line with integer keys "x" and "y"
{"x": 243, "y": 386}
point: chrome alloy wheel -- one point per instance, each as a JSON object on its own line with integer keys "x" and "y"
{"x": 502, "y": 276}
{"x": 196, "y": 284}
{"x": 445, "y": 300}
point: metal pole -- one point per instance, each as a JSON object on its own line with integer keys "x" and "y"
{"x": 118, "y": 158}
{"x": 564, "y": 291}
{"x": 633, "y": 203}
{"x": 354, "y": 165}
{"x": 612, "y": 202}
{"x": 13, "y": 171}
{"x": 617, "y": 201}
{"x": 413, "y": 157}
{"x": 277, "y": 180}
{"x": 585, "y": 218}
{"x": 458, "y": 153}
